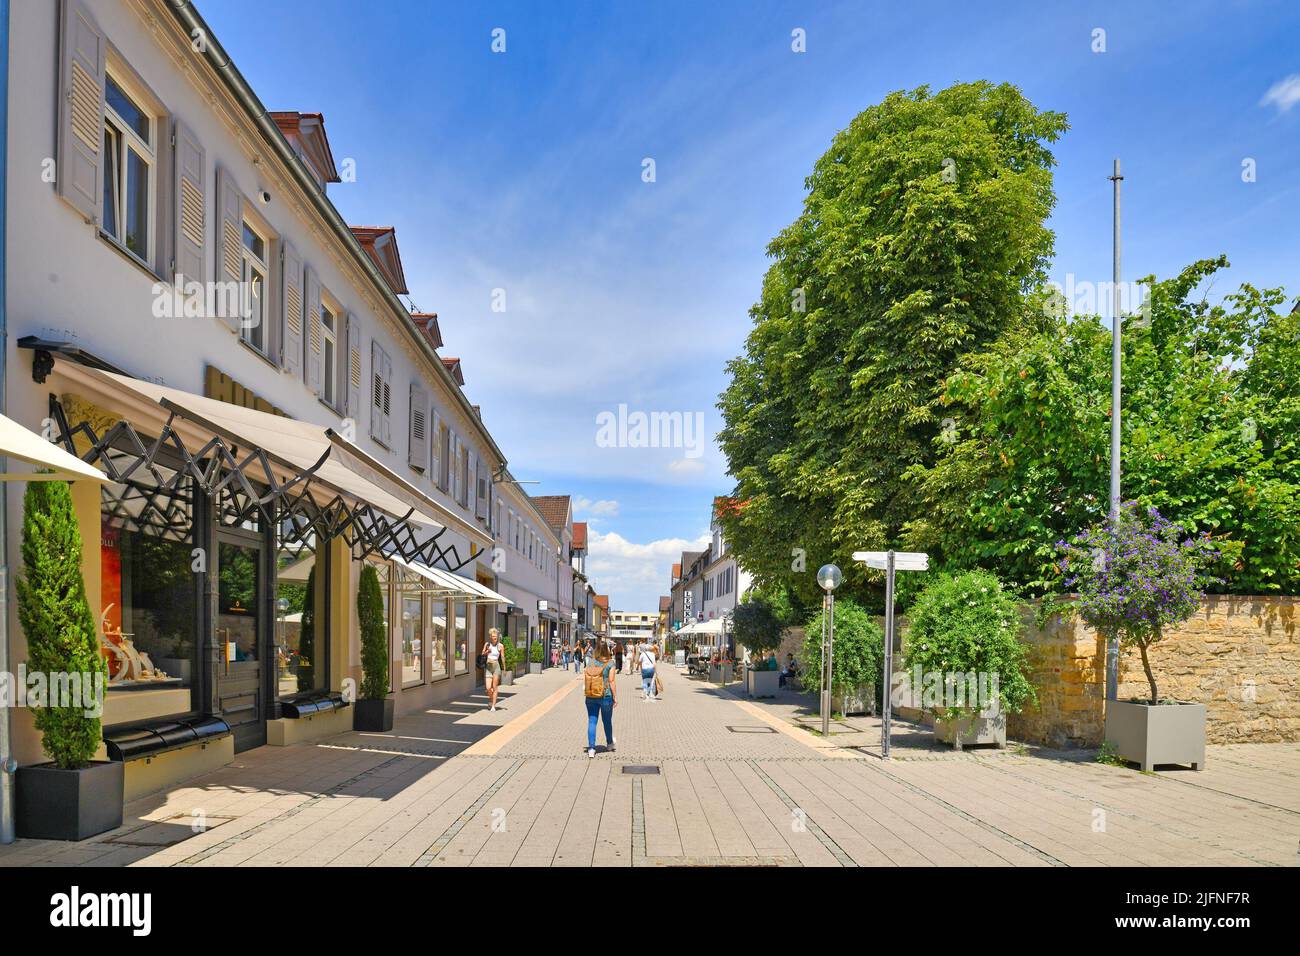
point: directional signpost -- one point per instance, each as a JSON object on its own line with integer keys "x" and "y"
{"x": 889, "y": 562}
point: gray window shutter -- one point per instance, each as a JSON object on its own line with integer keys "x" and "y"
{"x": 435, "y": 446}
{"x": 291, "y": 300}
{"x": 230, "y": 240}
{"x": 189, "y": 228}
{"x": 315, "y": 333}
{"x": 78, "y": 175}
{"x": 388, "y": 401}
{"x": 376, "y": 391}
{"x": 352, "y": 387}
{"x": 417, "y": 455}
{"x": 481, "y": 487}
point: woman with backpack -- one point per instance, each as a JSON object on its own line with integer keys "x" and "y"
{"x": 598, "y": 680}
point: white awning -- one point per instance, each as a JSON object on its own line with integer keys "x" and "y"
{"x": 18, "y": 442}
{"x": 299, "y": 446}
{"x": 447, "y": 584}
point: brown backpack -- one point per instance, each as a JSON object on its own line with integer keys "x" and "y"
{"x": 594, "y": 680}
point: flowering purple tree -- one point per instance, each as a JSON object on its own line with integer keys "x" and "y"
{"x": 1136, "y": 574}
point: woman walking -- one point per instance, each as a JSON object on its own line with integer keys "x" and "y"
{"x": 599, "y": 683}
{"x": 647, "y": 671}
{"x": 494, "y": 653}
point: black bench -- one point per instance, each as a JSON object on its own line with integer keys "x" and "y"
{"x": 159, "y": 736}
{"x": 311, "y": 702}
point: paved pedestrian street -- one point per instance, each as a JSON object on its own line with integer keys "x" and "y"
{"x": 738, "y": 782}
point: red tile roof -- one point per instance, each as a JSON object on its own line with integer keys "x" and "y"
{"x": 427, "y": 322}
{"x": 580, "y": 535}
{"x": 601, "y": 600}
{"x": 380, "y": 243}
{"x": 310, "y": 139}
{"x": 453, "y": 365}
{"x": 664, "y": 604}
{"x": 555, "y": 509}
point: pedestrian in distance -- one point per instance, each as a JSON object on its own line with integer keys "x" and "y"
{"x": 647, "y": 663}
{"x": 618, "y": 658}
{"x": 494, "y": 656}
{"x": 599, "y": 682}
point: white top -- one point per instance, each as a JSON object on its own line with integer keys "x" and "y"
{"x": 494, "y": 650}
{"x": 647, "y": 659}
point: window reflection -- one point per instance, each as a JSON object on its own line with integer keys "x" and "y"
{"x": 462, "y": 663}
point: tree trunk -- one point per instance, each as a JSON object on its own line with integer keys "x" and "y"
{"x": 1151, "y": 679}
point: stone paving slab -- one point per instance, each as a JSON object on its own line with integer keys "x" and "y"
{"x": 738, "y": 783}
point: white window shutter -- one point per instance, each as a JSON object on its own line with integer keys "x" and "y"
{"x": 78, "y": 172}
{"x": 230, "y": 241}
{"x": 417, "y": 455}
{"x": 291, "y": 302}
{"x": 190, "y": 227}
{"x": 315, "y": 333}
{"x": 435, "y": 446}
{"x": 353, "y": 373}
{"x": 388, "y": 401}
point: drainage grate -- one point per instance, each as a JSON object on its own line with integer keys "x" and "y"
{"x": 641, "y": 768}
{"x": 742, "y": 729}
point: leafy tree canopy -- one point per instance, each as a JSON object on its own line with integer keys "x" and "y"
{"x": 921, "y": 236}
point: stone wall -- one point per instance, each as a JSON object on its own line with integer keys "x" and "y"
{"x": 1240, "y": 656}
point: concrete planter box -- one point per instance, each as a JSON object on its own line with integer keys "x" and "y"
{"x": 507, "y": 678}
{"x": 762, "y": 683}
{"x": 860, "y": 701}
{"x": 720, "y": 674}
{"x": 373, "y": 716}
{"x": 534, "y": 667}
{"x": 54, "y": 804}
{"x": 1166, "y": 733}
{"x": 972, "y": 731}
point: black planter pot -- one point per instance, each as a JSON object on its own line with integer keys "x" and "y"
{"x": 373, "y": 715}
{"x": 54, "y": 804}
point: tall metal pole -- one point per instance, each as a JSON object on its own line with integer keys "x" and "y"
{"x": 827, "y": 639}
{"x": 888, "y": 669}
{"x": 1116, "y": 355}
{"x": 8, "y": 765}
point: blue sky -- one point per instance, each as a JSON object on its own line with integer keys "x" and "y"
{"x": 522, "y": 171}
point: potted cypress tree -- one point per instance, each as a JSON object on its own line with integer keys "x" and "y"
{"x": 375, "y": 707}
{"x": 535, "y": 657}
{"x": 965, "y": 659}
{"x": 1137, "y": 574}
{"x": 72, "y": 797}
{"x": 510, "y": 658}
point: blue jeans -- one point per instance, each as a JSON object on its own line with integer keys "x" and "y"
{"x": 648, "y": 682}
{"x": 566, "y": 660}
{"x": 604, "y": 708}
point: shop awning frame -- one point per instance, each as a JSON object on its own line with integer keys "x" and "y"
{"x": 218, "y": 466}
{"x": 446, "y": 584}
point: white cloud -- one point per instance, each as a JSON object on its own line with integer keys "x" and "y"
{"x": 604, "y": 508}
{"x": 687, "y": 466}
{"x": 1283, "y": 94}
{"x": 634, "y": 575}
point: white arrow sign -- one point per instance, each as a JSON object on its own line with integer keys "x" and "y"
{"x": 903, "y": 560}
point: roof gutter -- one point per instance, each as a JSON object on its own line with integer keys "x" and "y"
{"x": 195, "y": 26}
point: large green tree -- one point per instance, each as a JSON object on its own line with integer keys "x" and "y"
{"x": 1210, "y": 425}
{"x": 921, "y": 235}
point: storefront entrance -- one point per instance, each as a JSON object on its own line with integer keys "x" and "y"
{"x": 241, "y": 638}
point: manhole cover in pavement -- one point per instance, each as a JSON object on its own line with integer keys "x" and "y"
{"x": 751, "y": 730}
{"x": 640, "y": 768}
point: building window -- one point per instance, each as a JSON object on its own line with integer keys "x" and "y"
{"x": 444, "y": 457}
{"x": 300, "y": 632}
{"x": 412, "y": 633}
{"x": 129, "y": 172}
{"x": 253, "y": 273}
{"x": 459, "y": 637}
{"x": 438, "y": 640}
{"x": 330, "y": 357}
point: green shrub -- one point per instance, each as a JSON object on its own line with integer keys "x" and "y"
{"x": 968, "y": 623}
{"x": 535, "y": 652}
{"x": 509, "y": 653}
{"x": 756, "y": 624}
{"x": 857, "y": 654}
{"x": 374, "y": 636}
{"x": 56, "y": 617}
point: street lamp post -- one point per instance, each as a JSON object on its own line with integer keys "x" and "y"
{"x": 1116, "y": 356}
{"x": 829, "y": 578}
